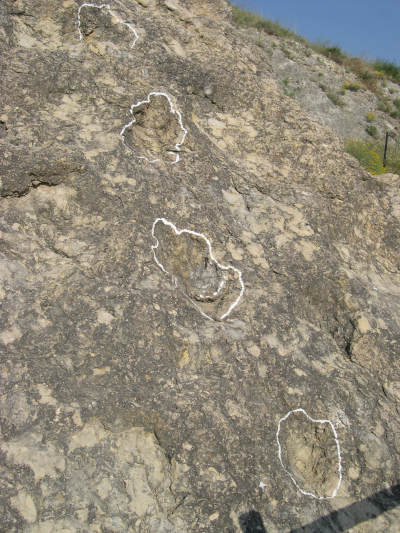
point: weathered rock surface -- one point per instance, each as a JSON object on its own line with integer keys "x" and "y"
{"x": 123, "y": 408}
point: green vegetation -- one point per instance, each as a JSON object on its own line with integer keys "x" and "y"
{"x": 366, "y": 153}
{"x": 370, "y": 116}
{"x": 287, "y": 89}
{"x": 333, "y": 97}
{"x": 370, "y": 155}
{"x": 287, "y": 52}
{"x": 248, "y": 19}
{"x": 384, "y": 105}
{"x": 332, "y": 52}
{"x": 391, "y": 70}
{"x": 393, "y": 156}
{"x": 372, "y": 130}
{"x": 351, "y": 86}
{"x": 396, "y": 112}
{"x": 368, "y": 72}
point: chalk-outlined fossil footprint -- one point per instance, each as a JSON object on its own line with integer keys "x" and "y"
{"x": 186, "y": 255}
{"x": 107, "y": 9}
{"x": 306, "y": 453}
{"x": 154, "y": 134}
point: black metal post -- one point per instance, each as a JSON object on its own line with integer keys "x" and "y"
{"x": 386, "y": 144}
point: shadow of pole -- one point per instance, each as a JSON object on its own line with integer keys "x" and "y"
{"x": 251, "y": 522}
{"x": 355, "y": 513}
{"x": 337, "y": 521}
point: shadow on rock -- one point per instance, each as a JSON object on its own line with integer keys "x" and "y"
{"x": 346, "y": 518}
{"x": 251, "y": 522}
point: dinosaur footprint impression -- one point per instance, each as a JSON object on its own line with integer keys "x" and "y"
{"x": 156, "y": 131}
{"x": 309, "y": 452}
{"x": 185, "y": 255}
{"x": 99, "y": 22}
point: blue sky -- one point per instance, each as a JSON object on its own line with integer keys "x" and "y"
{"x": 366, "y": 28}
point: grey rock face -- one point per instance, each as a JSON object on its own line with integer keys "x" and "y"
{"x": 122, "y": 407}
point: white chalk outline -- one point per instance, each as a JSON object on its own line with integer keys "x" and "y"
{"x": 171, "y": 110}
{"x": 222, "y": 267}
{"x": 111, "y": 13}
{"x": 300, "y": 410}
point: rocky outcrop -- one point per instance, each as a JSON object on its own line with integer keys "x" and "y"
{"x": 163, "y": 318}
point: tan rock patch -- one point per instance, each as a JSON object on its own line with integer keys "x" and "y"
{"x": 24, "y": 504}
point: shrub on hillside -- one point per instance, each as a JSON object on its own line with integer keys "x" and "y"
{"x": 334, "y": 53}
{"x": 351, "y": 86}
{"x": 390, "y": 69}
{"x": 372, "y": 130}
{"x": 370, "y": 154}
{"x": 366, "y": 153}
{"x": 393, "y": 156}
{"x": 370, "y": 116}
{"x": 384, "y": 105}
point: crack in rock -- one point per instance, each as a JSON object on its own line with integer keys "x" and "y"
{"x": 108, "y": 9}
{"x": 307, "y": 451}
{"x": 154, "y": 128}
{"x": 186, "y": 255}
